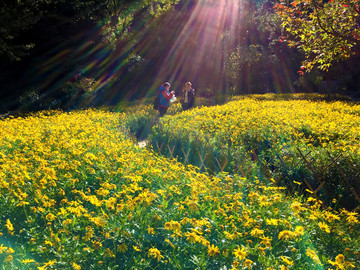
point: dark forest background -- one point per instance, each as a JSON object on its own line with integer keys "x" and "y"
{"x": 72, "y": 54}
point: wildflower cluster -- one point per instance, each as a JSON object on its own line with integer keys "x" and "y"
{"x": 285, "y": 135}
{"x": 76, "y": 193}
{"x": 331, "y": 125}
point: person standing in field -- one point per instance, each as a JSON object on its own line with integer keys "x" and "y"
{"x": 188, "y": 96}
{"x": 164, "y": 98}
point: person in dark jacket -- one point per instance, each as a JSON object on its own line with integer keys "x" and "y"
{"x": 165, "y": 95}
{"x": 188, "y": 96}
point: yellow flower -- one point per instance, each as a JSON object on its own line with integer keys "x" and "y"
{"x": 96, "y": 244}
{"x": 313, "y": 217}
{"x": 299, "y": 230}
{"x": 296, "y": 207}
{"x": 351, "y": 216}
{"x": 155, "y": 253}
{"x": 330, "y": 217}
{"x": 27, "y": 261}
{"x": 76, "y": 266}
{"x": 9, "y": 258}
{"x": 109, "y": 253}
{"x": 340, "y": 262}
{"x": 261, "y": 250}
{"x": 240, "y": 253}
{"x": 286, "y": 235}
{"x": 151, "y": 230}
{"x": 167, "y": 226}
{"x": 50, "y": 217}
{"x": 248, "y": 263}
{"x": 266, "y": 241}
{"x": 49, "y": 243}
{"x": 192, "y": 237}
{"x": 10, "y": 251}
{"x": 9, "y": 226}
{"x": 176, "y": 226}
{"x": 287, "y": 261}
{"x": 122, "y": 248}
{"x": 257, "y": 232}
{"x": 204, "y": 242}
{"x": 49, "y": 263}
{"x": 89, "y": 233}
{"x": 312, "y": 254}
{"x": 110, "y": 203}
{"x": 173, "y": 225}
{"x": 98, "y": 221}
{"x": 324, "y": 227}
{"x": 352, "y": 219}
{"x": 22, "y": 203}
{"x": 136, "y": 248}
{"x": 272, "y": 222}
{"x": 169, "y": 242}
{"x": 213, "y": 251}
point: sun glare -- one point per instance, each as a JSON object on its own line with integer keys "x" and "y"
{"x": 198, "y": 46}
{"x": 206, "y": 27}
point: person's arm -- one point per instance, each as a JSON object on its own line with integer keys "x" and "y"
{"x": 191, "y": 98}
{"x": 191, "y": 95}
{"x": 166, "y": 95}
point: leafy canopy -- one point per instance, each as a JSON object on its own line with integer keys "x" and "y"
{"x": 326, "y": 30}
{"x": 19, "y": 20}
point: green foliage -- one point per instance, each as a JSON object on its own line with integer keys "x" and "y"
{"x": 258, "y": 57}
{"x": 327, "y": 31}
{"x": 15, "y": 18}
{"x": 300, "y": 96}
{"x": 19, "y": 18}
{"x": 121, "y": 15}
{"x": 73, "y": 94}
{"x": 244, "y": 57}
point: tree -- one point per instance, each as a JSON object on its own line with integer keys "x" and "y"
{"x": 115, "y": 17}
{"x": 45, "y": 43}
{"x": 259, "y": 60}
{"x": 326, "y": 30}
{"x": 15, "y": 18}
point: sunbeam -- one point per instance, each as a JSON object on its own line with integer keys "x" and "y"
{"x": 194, "y": 46}
{"x": 195, "y": 51}
{"x": 205, "y": 27}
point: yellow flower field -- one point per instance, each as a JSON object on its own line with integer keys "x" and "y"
{"x": 334, "y": 125}
{"x": 278, "y": 133}
{"x": 77, "y": 193}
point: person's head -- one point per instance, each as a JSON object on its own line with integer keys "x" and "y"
{"x": 166, "y": 85}
{"x": 187, "y": 86}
